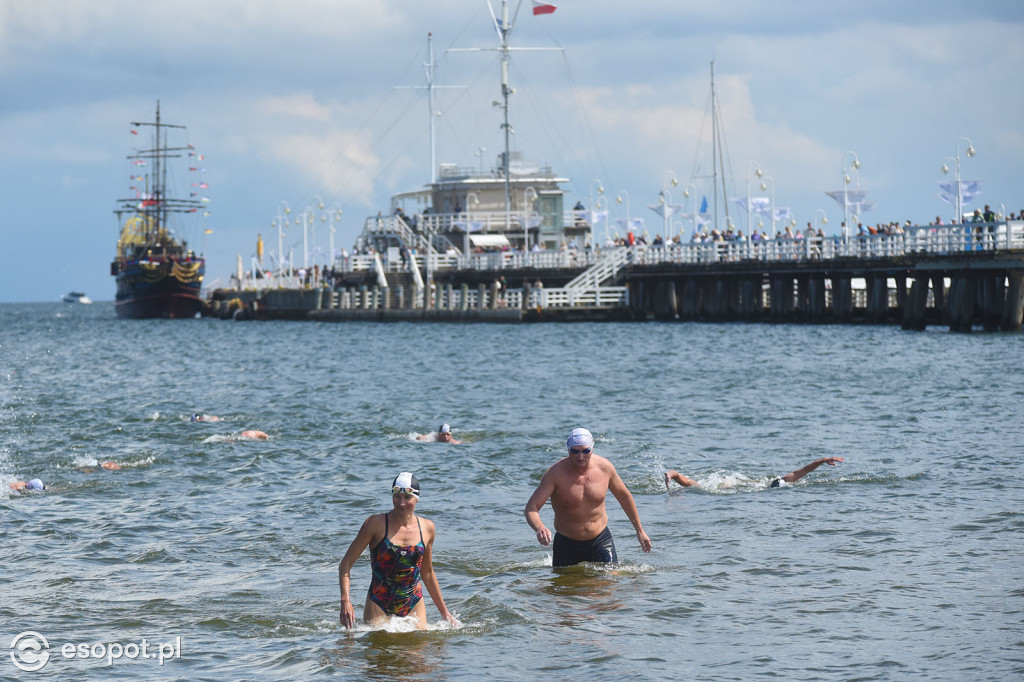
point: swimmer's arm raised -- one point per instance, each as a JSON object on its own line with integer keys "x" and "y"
{"x": 804, "y": 470}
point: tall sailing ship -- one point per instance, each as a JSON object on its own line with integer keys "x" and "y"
{"x": 157, "y": 274}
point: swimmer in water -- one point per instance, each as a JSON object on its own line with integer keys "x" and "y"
{"x": 34, "y": 485}
{"x": 777, "y": 482}
{"x": 108, "y": 465}
{"x": 401, "y": 546}
{"x": 204, "y": 418}
{"x": 253, "y": 435}
{"x": 443, "y": 435}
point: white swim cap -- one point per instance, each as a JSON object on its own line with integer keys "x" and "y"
{"x": 34, "y": 484}
{"x": 406, "y": 484}
{"x": 580, "y": 437}
{"x": 444, "y": 429}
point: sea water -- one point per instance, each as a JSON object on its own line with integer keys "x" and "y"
{"x": 220, "y": 554}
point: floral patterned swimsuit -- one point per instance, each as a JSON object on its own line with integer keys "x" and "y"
{"x": 395, "y": 585}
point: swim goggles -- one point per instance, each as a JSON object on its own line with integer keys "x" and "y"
{"x": 397, "y": 490}
{"x": 581, "y": 451}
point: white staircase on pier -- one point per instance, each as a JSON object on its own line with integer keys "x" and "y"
{"x": 603, "y": 269}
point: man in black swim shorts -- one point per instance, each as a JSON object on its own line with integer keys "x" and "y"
{"x": 577, "y": 486}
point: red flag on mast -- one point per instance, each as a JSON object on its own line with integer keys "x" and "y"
{"x": 541, "y": 7}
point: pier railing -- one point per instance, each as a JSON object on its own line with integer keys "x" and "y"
{"x": 924, "y": 239}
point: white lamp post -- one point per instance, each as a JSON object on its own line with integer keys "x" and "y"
{"x": 824, "y": 218}
{"x": 757, "y": 174}
{"x": 764, "y": 187}
{"x": 667, "y": 178}
{"x": 593, "y": 204}
{"x": 530, "y": 195}
{"x": 313, "y": 217}
{"x": 959, "y": 186}
{"x": 473, "y": 199}
{"x": 846, "y": 201}
{"x": 598, "y": 207}
{"x": 691, "y": 191}
{"x": 335, "y": 218}
{"x": 618, "y": 199}
{"x": 281, "y": 222}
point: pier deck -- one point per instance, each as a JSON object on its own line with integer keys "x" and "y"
{"x": 963, "y": 276}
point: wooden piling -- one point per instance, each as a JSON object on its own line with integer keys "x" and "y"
{"x": 1013, "y": 303}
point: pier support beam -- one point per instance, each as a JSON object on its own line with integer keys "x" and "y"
{"x": 915, "y": 304}
{"x": 993, "y": 291}
{"x": 842, "y": 298}
{"x": 1013, "y": 303}
{"x": 878, "y": 298}
{"x": 963, "y": 292}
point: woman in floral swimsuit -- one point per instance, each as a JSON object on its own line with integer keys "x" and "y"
{"x": 400, "y": 557}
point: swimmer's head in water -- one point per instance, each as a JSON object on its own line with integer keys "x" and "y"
{"x": 406, "y": 484}
{"x": 445, "y": 428}
{"x": 580, "y": 438}
{"x": 196, "y": 417}
{"x": 35, "y": 484}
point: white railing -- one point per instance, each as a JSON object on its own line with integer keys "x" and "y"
{"x": 927, "y": 239}
{"x": 473, "y": 299}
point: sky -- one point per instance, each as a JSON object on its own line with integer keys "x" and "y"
{"x": 319, "y": 101}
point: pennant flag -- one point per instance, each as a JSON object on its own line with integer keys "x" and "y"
{"x": 207, "y": 230}
{"x": 704, "y": 205}
{"x": 783, "y": 214}
{"x": 852, "y": 196}
{"x": 662, "y": 209}
{"x": 135, "y": 132}
{"x": 634, "y": 224}
{"x": 541, "y": 7}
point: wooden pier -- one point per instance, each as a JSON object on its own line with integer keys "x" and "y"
{"x": 960, "y": 276}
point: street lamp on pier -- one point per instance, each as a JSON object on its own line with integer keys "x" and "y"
{"x": 618, "y": 199}
{"x": 691, "y": 191}
{"x": 471, "y": 198}
{"x": 530, "y": 195}
{"x": 956, "y": 176}
{"x": 313, "y": 217}
{"x": 855, "y": 165}
{"x": 757, "y": 174}
{"x": 597, "y": 208}
{"x": 665, "y": 198}
{"x": 282, "y": 221}
{"x": 824, "y": 218}
{"x": 764, "y": 187}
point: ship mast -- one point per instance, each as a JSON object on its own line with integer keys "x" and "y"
{"x": 154, "y": 205}
{"x": 503, "y": 27}
{"x": 504, "y": 30}
{"x": 717, "y": 156}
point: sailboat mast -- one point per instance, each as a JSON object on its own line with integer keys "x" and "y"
{"x": 430, "y": 101}
{"x": 505, "y": 29}
{"x": 159, "y": 178}
{"x": 714, "y": 148}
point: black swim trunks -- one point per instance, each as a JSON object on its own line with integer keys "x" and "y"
{"x": 568, "y": 552}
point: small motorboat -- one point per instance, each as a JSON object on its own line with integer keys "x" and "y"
{"x": 76, "y": 297}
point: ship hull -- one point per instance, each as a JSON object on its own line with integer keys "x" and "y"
{"x": 142, "y": 297}
{"x": 167, "y": 306}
